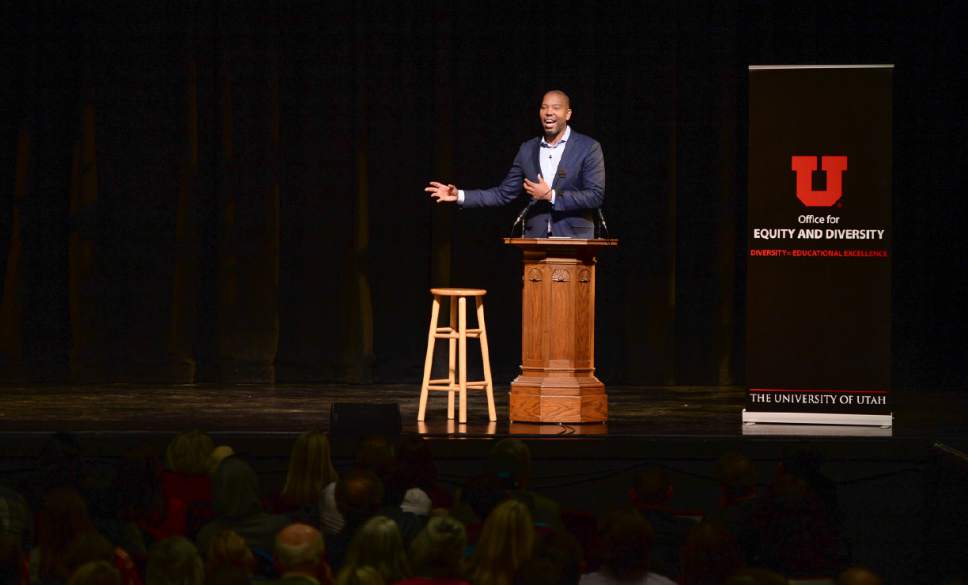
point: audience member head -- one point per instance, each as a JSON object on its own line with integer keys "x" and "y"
{"x": 483, "y": 493}
{"x": 651, "y": 488}
{"x": 11, "y": 560}
{"x": 801, "y": 460}
{"x": 228, "y": 548}
{"x": 63, "y": 516}
{"x": 375, "y": 454}
{"x": 359, "y": 494}
{"x": 736, "y": 475}
{"x": 235, "y": 489}
{"x": 310, "y": 469}
{"x": 174, "y": 561}
{"x": 416, "y": 501}
{"x": 95, "y": 573}
{"x": 538, "y": 571}
{"x": 15, "y": 516}
{"x": 757, "y": 576}
{"x": 804, "y": 461}
{"x": 414, "y": 465}
{"x": 361, "y": 576}
{"x": 437, "y": 551}
{"x": 794, "y": 530}
{"x": 138, "y": 487}
{"x": 228, "y": 575}
{"x": 858, "y": 576}
{"x": 627, "y": 539}
{"x": 87, "y": 547}
{"x": 97, "y": 485}
{"x": 709, "y": 555}
{"x": 60, "y": 454}
{"x": 559, "y": 555}
{"x": 300, "y": 550}
{"x": 377, "y": 544}
{"x": 188, "y": 453}
{"x": 506, "y": 543}
{"x": 511, "y": 459}
{"x": 218, "y": 454}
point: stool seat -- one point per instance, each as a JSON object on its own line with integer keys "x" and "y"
{"x": 457, "y": 334}
{"x": 458, "y": 292}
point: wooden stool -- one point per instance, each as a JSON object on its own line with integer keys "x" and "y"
{"x": 457, "y": 334}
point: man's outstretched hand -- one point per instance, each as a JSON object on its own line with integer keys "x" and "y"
{"x": 442, "y": 193}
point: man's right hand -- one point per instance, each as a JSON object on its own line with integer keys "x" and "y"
{"x": 442, "y": 193}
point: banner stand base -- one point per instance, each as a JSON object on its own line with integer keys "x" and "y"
{"x": 819, "y": 418}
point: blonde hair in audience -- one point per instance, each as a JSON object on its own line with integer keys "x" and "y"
{"x": 218, "y": 454}
{"x": 95, "y": 573}
{"x": 377, "y": 544}
{"x": 506, "y": 543}
{"x": 362, "y": 576}
{"x": 229, "y": 548}
{"x": 438, "y": 549}
{"x": 188, "y": 453}
{"x": 310, "y": 469}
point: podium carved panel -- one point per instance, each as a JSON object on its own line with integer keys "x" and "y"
{"x": 557, "y": 381}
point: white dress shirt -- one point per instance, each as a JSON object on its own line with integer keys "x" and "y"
{"x": 549, "y": 157}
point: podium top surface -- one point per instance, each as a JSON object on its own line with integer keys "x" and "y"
{"x": 551, "y": 243}
{"x": 458, "y": 292}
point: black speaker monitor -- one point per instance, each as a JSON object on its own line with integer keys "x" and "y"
{"x": 359, "y": 419}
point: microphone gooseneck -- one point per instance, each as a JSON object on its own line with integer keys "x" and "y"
{"x": 521, "y": 216}
{"x": 601, "y": 219}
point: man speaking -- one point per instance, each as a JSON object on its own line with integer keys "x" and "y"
{"x": 563, "y": 173}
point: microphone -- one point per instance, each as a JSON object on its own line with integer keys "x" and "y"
{"x": 522, "y": 215}
{"x": 601, "y": 220}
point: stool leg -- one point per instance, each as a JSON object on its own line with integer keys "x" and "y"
{"x": 429, "y": 360}
{"x": 486, "y": 361}
{"x": 462, "y": 353}
{"x": 452, "y": 359}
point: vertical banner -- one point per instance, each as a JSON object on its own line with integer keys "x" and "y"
{"x": 819, "y": 239}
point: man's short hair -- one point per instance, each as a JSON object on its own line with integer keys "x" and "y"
{"x": 359, "y": 492}
{"x": 292, "y": 556}
{"x": 562, "y": 94}
{"x": 510, "y": 458}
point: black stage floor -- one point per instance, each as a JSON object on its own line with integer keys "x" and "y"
{"x": 655, "y": 413}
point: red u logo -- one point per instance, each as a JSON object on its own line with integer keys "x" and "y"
{"x": 834, "y": 166}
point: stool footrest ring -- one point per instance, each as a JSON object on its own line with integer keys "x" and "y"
{"x": 456, "y": 383}
{"x": 448, "y": 333}
{"x": 444, "y": 387}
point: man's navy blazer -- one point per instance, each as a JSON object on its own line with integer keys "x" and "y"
{"x": 579, "y": 188}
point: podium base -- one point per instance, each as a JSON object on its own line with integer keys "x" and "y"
{"x": 558, "y": 400}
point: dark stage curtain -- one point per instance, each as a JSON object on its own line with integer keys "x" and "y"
{"x": 206, "y": 191}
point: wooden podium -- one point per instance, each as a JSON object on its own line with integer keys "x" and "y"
{"x": 557, "y": 383}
